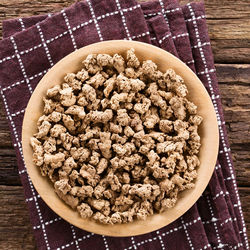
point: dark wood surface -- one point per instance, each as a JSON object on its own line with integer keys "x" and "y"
{"x": 229, "y": 29}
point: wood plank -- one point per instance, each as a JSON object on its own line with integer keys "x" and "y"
{"x": 230, "y": 36}
{"x": 15, "y": 229}
{"x": 16, "y": 232}
{"x": 233, "y": 73}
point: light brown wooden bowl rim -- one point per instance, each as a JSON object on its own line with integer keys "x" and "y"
{"x": 208, "y": 132}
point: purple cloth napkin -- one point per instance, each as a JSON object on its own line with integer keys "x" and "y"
{"x": 33, "y": 45}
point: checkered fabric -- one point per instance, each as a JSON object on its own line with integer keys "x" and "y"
{"x": 33, "y": 45}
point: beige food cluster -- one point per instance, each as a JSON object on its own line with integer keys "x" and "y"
{"x": 118, "y": 139}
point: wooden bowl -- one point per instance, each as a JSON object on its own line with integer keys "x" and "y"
{"x": 208, "y": 132}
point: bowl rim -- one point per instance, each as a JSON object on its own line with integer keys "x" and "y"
{"x": 140, "y": 227}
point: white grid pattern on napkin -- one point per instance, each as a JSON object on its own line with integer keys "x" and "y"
{"x": 34, "y": 197}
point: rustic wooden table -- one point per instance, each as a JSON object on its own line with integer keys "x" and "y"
{"x": 229, "y": 29}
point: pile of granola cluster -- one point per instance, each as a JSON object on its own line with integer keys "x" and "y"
{"x": 118, "y": 139}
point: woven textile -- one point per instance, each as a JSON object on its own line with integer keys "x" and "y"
{"x": 33, "y": 45}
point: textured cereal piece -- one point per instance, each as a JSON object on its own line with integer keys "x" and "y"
{"x": 98, "y": 204}
{"x": 68, "y": 199}
{"x": 178, "y": 107}
{"x": 143, "y": 107}
{"x": 93, "y": 144}
{"x": 123, "y": 83}
{"x": 94, "y": 105}
{"x": 74, "y": 83}
{"x": 149, "y": 68}
{"x": 41, "y": 120}
{"x": 49, "y": 106}
{"x": 166, "y": 126}
{"x": 80, "y": 154}
{"x": 89, "y": 172}
{"x": 76, "y": 110}
{"x": 158, "y": 101}
{"x": 166, "y": 185}
{"x": 66, "y": 139}
{"x": 69, "y": 165}
{"x": 100, "y": 116}
{"x": 145, "y": 210}
{"x": 157, "y": 136}
{"x": 175, "y": 83}
{"x": 153, "y": 157}
{"x": 139, "y": 172}
{"x": 49, "y": 146}
{"x": 57, "y": 130}
{"x": 55, "y": 117}
{"x": 94, "y": 159}
{"x": 101, "y": 218}
{"x": 82, "y": 100}
{"x": 72, "y": 180}
{"x": 82, "y": 75}
{"x": 196, "y": 120}
{"x": 128, "y": 131}
{"x": 136, "y": 122}
{"x": 69, "y": 122}
{"x": 116, "y": 99}
{"x": 190, "y": 176}
{"x": 137, "y": 85}
{"x": 43, "y": 130}
{"x": 54, "y": 91}
{"x": 118, "y": 63}
{"x": 96, "y": 80}
{"x": 122, "y": 117}
{"x": 67, "y": 97}
{"x": 167, "y": 203}
{"x": 166, "y": 114}
{"x": 85, "y": 210}
{"x": 122, "y": 203}
{"x": 113, "y": 181}
{"x": 105, "y": 145}
{"x": 181, "y": 128}
{"x": 104, "y": 60}
{"x": 109, "y": 85}
{"x": 192, "y": 162}
{"x": 125, "y": 149}
{"x": 115, "y": 128}
{"x": 132, "y": 60}
{"x": 91, "y": 65}
{"x": 38, "y": 151}
{"x": 89, "y": 92}
{"x": 166, "y": 95}
{"x": 54, "y": 160}
{"x": 151, "y": 118}
{"x": 119, "y": 139}
{"x": 131, "y": 73}
{"x": 85, "y": 191}
{"x": 144, "y": 191}
{"x": 116, "y": 218}
{"x": 165, "y": 147}
{"x": 191, "y": 107}
{"x": 62, "y": 186}
{"x": 99, "y": 191}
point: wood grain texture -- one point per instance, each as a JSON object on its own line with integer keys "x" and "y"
{"x": 229, "y": 29}
{"x": 15, "y": 229}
